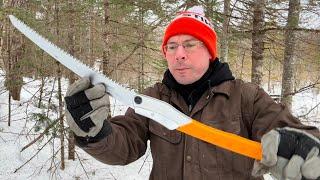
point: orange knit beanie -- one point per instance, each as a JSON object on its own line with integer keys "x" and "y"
{"x": 194, "y": 23}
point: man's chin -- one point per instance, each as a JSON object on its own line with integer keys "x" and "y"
{"x": 184, "y": 81}
{"x": 184, "y": 78}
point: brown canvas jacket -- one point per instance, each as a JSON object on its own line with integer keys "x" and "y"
{"x": 233, "y": 106}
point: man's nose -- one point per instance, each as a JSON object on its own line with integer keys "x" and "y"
{"x": 180, "y": 53}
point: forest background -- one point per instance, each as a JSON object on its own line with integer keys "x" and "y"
{"x": 273, "y": 43}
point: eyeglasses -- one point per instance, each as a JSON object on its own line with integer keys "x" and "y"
{"x": 188, "y": 46}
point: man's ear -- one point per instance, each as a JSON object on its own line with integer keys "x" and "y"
{"x": 162, "y": 50}
{"x": 163, "y": 54}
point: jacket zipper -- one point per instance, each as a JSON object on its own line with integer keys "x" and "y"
{"x": 190, "y": 108}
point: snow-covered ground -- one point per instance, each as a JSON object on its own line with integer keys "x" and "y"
{"x": 43, "y": 165}
{"x": 305, "y": 105}
{"x": 46, "y": 163}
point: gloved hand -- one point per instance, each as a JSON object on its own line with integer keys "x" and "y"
{"x": 86, "y": 109}
{"x": 289, "y": 153}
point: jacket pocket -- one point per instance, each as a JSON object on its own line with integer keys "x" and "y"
{"x": 231, "y": 125}
{"x": 172, "y": 136}
{"x": 216, "y": 160}
{"x": 166, "y": 148}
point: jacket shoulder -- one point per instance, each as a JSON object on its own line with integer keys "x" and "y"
{"x": 253, "y": 92}
{"x": 247, "y": 87}
{"x": 249, "y": 93}
{"x": 157, "y": 90}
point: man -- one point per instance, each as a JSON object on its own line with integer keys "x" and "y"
{"x": 199, "y": 85}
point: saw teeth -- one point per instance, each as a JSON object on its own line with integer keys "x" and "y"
{"x": 23, "y": 27}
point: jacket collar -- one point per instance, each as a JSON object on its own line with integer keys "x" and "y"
{"x": 223, "y": 88}
{"x": 177, "y": 100}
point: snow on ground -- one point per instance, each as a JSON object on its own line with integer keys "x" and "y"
{"x": 302, "y": 103}
{"x": 38, "y": 168}
{"x": 43, "y": 165}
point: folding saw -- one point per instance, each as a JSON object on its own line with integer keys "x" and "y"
{"x": 164, "y": 113}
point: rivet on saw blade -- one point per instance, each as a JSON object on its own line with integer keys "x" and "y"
{"x": 138, "y": 100}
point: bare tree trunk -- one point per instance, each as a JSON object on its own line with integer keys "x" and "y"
{"x": 106, "y": 39}
{"x": 91, "y": 39}
{"x": 1, "y": 34}
{"x": 71, "y": 75}
{"x": 12, "y": 52}
{"x": 5, "y": 54}
{"x": 59, "y": 74}
{"x": 141, "y": 52}
{"x": 258, "y": 35}
{"x": 42, "y": 80}
{"x": 269, "y": 74}
{"x": 224, "y": 47}
{"x": 71, "y": 35}
{"x": 71, "y": 146}
{"x": 106, "y": 69}
{"x": 242, "y": 63}
{"x": 9, "y": 109}
{"x": 15, "y": 79}
{"x": 41, "y": 92}
{"x": 289, "y": 60}
{"x": 61, "y": 128}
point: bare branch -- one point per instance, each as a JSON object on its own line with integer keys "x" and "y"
{"x": 303, "y": 89}
{"x": 82, "y": 164}
{"x": 307, "y": 113}
{"x": 16, "y": 170}
{"x": 43, "y": 133}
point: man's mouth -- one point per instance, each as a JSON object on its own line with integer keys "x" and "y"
{"x": 182, "y": 69}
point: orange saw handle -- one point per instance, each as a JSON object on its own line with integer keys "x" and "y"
{"x": 223, "y": 139}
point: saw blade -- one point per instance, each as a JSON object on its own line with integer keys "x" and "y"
{"x": 165, "y": 114}
{"x": 119, "y": 92}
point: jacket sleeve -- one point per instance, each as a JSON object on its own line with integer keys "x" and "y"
{"x": 127, "y": 141}
{"x": 266, "y": 114}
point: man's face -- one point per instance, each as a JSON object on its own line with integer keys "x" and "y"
{"x": 187, "y": 57}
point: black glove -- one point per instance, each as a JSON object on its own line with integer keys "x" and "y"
{"x": 289, "y": 153}
{"x": 86, "y": 110}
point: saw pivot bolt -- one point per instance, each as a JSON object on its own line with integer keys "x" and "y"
{"x": 138, "y": 100}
